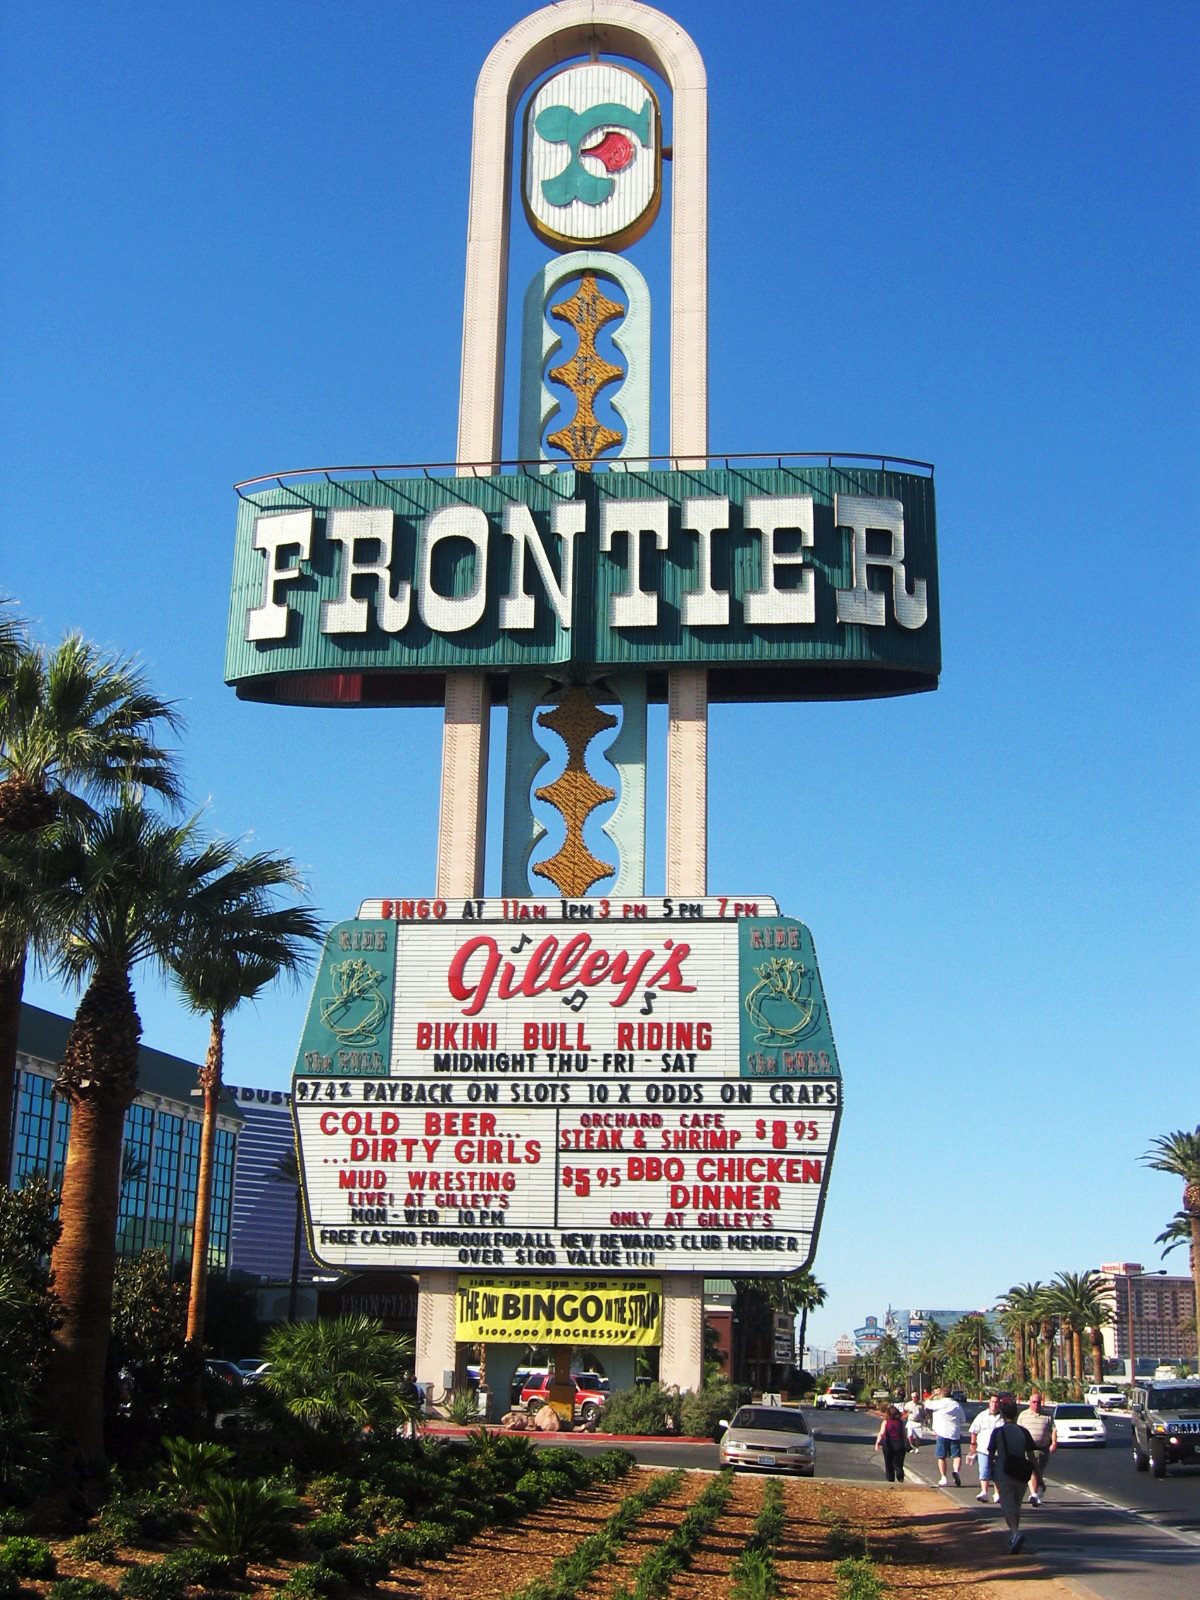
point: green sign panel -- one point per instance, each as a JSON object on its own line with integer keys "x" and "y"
{"x": 349, "y": 1029}
{"x": 786, "y": 582}
{"x": 785, "y": 1027}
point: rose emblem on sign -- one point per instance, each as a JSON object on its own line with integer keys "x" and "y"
{"x": 592, "y": 157}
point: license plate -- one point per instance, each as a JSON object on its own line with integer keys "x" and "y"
{"x": 765, "y": 1461}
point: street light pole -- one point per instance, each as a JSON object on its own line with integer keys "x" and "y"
{"x": 1160, "y": 1272}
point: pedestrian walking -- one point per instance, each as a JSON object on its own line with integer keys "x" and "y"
{"x": 947, "y": 1419}
{"x": 913, "y": 1411}
{"x": 1011, "y": 1451}
{"x": 892, "y": 1439}
{"x": 1039, "y": 1425}
{"x": 981, "y": 1430}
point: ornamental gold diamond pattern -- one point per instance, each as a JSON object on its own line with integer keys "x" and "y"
{"x": 575, "y": 794}
{"x": 585, "y": 439}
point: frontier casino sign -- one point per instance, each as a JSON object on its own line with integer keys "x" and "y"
{"x": 790, "y": 581}
{"x": 550, "y": 1085}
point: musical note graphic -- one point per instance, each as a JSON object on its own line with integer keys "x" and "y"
{"x": 517, "y": 948}
{"x": 577, "y": 1000}
{"x": 649, "y": 1006}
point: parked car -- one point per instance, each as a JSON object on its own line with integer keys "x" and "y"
{"x": 591, "y": 1393}
{"x": 225, "y": 1372}
{"x": 252, "y": 1368}
{"x": 1166, "y": 1425}
{"x": 1079, "y": 1424}
{"x": 837, "y": 1398}
{"x": 1108, "y": 1396}
{"x": 774, "y": 1438}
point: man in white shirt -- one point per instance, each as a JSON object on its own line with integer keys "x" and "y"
{"x": 947, "y": 1419}
{"x": 984, "y": 1425}
{"x": 913, "y": 1411}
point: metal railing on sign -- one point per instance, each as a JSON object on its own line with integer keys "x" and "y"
{"x": 623, "y": 464}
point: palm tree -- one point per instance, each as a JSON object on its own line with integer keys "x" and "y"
{"x": 1081, "y": 1309}
{"x": 341, "y": 1376}
{"x": 971, "y": 1337}
{"x": 76, "y": 724}
{"x": 241, "y": 942}
{"x": 1016, "y": 1318}
{"x": 1179, "y": 1154}
{"x": 125, "y": 881}
{"x": 930, "y": 1353}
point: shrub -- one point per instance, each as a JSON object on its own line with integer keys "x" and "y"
{"x": 95, "y": 1545}
{"x": 26, "y": 1557}
{"x": 361, "y": 1564}
{"x": 245, "y": 1519}
{"x": 155, "y": 1582}
{"x": 463, "y": 1407}
{"x": 80, "y": 1589}
{"x": 117, "y": 1519}
{"x": 755, "y": 1576}
{"x": 462, "y": 1521}
{"x": 558, "y": 1458}
{"x": 702, "y": 1410}
{"x": 648, "y": 1408}
{"x": 384, "y": 1510}
{"x": 430, "y": 1540}
{"x": 333, "y": 1492}
{"x": 315, "y": 1581}
{"x": 11, "y": 1520}
{"x": 611, "y": 1464}
{"x": 330, "y": 1528}
{"x": 189, "y": 1466}
{"x": 857, "y": 1579}
{"x": 556, "y": 1484}
{"x": 200, "y": 1567}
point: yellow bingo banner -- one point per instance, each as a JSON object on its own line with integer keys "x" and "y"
{"x": 610, "y": 1310}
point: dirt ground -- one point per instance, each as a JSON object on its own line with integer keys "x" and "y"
{"x": 924, "y": 1547}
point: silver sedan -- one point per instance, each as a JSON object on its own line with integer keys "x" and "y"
{"x": 774, "y": 1438}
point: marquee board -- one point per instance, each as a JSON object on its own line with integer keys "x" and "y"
{"x": 568, "y": 1085}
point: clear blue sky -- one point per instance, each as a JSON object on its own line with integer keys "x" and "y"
{"x": 233, "y": 243}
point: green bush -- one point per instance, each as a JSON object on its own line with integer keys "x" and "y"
{"x": 95, "y": 1545}
{"x": 333, "y": 1492}
{"x": 430, "y": 1540}
{"x": 611, "y": 1464}
{"x": 199, "y": 1567}
{"x": 314, "y": 1581}
{"x": 243, "y": 1519}
{"x": 190, "y": 1466}
{"x": 648, "y": 1408}
{"x": 360, "y": 1564}
{"x": 155, "y": 1582}
{"x": 463, "y": 1407}
{"x": 12, "y": 1520}
{"x": 329, "y": 1529}
{"x": 755, "y": 1576}
{"x": 462, "y": 1521}
{"x": 26, "y": 1557}
{"x": 701, "y": 1410}
{"x": 80, "y": 1589}
{"x": 857, "y": 1579}
{"x": 555, "y": 1484}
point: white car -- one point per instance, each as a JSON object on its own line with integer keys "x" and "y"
{"x": 1079, "y": 1424}
{"x": 836, "y": 1400}
{"x": 1108, "y": 1396}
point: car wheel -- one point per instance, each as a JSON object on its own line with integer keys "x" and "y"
{"x": 1141, "y": 1460}
{"x": 1158, "y": 1461}
{"x": 588, "y": 1412}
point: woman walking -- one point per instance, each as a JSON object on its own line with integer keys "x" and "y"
{"x": 892, "y": 1439}
{"x": 1010, "y": 1455}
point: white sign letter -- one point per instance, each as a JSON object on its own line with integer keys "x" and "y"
{"x": 859, "y": 513}
{"x": 347, "y": 614}
{"x": 704, "y": 606}
{"x": 769, "y": 605}
{"x": 451, "y": 613}
{"x": 566, "y": 520}
{"x": 271, "y": 535}
{"x": 634, "y": 607}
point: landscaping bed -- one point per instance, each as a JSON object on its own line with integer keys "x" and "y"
{"x": 692, "y": 1536}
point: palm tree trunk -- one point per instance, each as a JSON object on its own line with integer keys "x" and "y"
{"x": 1195, "y": 1224}
{"x": 1019, "y": 1352}
{"x": 1047, "y": 1352}
{"x": 12, "y": 986}
{"x": 210, "y": 1085}
{"x": 1097, "y": 1339}
{"x": 99, "y": 1077}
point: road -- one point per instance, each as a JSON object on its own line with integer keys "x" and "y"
{"x": 1122, "y": 1534}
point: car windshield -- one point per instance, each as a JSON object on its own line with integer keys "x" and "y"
{"x": 1180, "y": 1399}
{"x": 1075, "y": 1414}
{"x": 770, "y": 1420}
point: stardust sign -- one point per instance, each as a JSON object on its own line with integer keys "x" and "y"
{"x": 567, "y": 1085}
{"x": 792, "y": 581}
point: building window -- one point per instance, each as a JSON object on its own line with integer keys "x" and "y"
{"x": 41, "y": 1135}
{"x": 136, "y": 1166}
{"x": 222, "y": 1199}
{"x": 164, "y": 1185}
